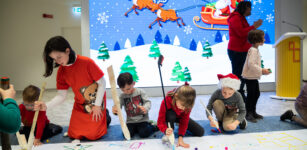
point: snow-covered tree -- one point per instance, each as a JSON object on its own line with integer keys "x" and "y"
{"x": 103, "y": 52}
{"x": 127, "y": 44}
{"x": 187, "y": 74}
{"x": 154, "y": 50}
{"x": 176, "y": 41}
{"x": 129, "y": 67}
{"x": 199, "y": 46}
{"x": 207, "y": 52}
{"x": 177, "y": 73}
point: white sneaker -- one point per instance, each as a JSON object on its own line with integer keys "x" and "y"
{"x": 165, "y": 139}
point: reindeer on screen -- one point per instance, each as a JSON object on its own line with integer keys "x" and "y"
{"x": 164, "y": 15}
{"x": 140, "y": 4}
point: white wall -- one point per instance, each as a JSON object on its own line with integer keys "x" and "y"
{"x": 292, "y": 11}
{"x": 24, "y": 33}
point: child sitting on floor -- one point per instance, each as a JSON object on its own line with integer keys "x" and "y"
{"x": 136, "y": 104}
{"x": 44, "y": 129}
{"x": 226, "y": 102}
{"x": 176, "y": 107}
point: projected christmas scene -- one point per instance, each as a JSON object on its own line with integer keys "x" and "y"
{"x": 192, "y": 33}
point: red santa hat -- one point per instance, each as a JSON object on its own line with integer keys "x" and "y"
{"x": 230, "y": 80}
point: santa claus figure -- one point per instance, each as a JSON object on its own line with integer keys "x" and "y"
{"x": 225, "y": 7}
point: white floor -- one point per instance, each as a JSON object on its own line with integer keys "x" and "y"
{"x": 281, "y": 140}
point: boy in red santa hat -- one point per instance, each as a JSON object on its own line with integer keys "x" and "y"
{"x": 227, "y": 104}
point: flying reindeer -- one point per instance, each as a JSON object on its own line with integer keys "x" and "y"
{"x": 164, "y": 15}
{"x": 140, "y": 4}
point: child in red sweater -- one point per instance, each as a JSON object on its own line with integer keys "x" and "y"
{"x": 44, "y": 129}
{"x": 179, "y": 103}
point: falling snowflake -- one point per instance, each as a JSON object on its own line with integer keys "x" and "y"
{"x": 103, "y": 18}
{"x": 188, "y": 29}
{"x": 255, "y": 2}
{"x": 270, "y": 18}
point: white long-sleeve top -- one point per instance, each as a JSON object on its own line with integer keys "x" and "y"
{"x": 252, "y": 66}
{"x": 62, "y": 94}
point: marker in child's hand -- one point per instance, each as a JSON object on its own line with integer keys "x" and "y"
{"x": 270, "y": 70}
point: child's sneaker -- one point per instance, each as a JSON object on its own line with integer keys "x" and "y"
{"x": 154, "y": 125}
{"x": 243, "y": 124}
{"x": 287, "y": 115}
{"x": 165, "y": 139}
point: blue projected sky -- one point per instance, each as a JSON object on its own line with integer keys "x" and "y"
{"x": 109, "y": 24}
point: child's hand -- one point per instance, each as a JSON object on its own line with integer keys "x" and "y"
{"x": 37, "y": 142}
{"x": 265, "y": 71}
{"x": 181, "y": 143}
{"x": 114, "y": 110}
{"x": 233, "y": 125}
{"x": 40, "y": 105}
{"x": 143, "y": 109}
{"x": 169, "y": 131}
{"x": 213, "y": 123}
{"x": 97, "y": 113}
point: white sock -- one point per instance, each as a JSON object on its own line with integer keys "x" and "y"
{"x": 65, "y": 134}
{"x": 75, "y": 141}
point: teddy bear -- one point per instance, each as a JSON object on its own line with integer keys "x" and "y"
{"x": 89, "y": 95}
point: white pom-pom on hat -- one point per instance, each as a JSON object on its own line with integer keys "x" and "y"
{"x": 230, "y": 80}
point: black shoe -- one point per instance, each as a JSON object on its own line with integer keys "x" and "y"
{"x": 243, "y": 124}
{"x": 257, "y": 116}
{"x": 287, "y": 115}
{"x": 250, "y": 117}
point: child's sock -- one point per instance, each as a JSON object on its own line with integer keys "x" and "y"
{"x": 75, "y": 141}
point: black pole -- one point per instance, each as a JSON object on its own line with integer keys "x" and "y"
{"x": 160, "y": 60}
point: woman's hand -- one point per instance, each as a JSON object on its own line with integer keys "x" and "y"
{"x": 181, "y": 143}
{"x": 9, "y": 93}
{"x": 257, "y": 23}
{"x": 97, "y": 113}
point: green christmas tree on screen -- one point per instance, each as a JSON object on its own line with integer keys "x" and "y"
{"x": 187, "y": 74}
{"x": 177, "y": 73}
{"x": 154, "y": 50}
{"x": 262, "y": 66}
{"x": 103, "y": 52}
{"x": 207, "y": 52}
{"x": 129, "y": 67}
